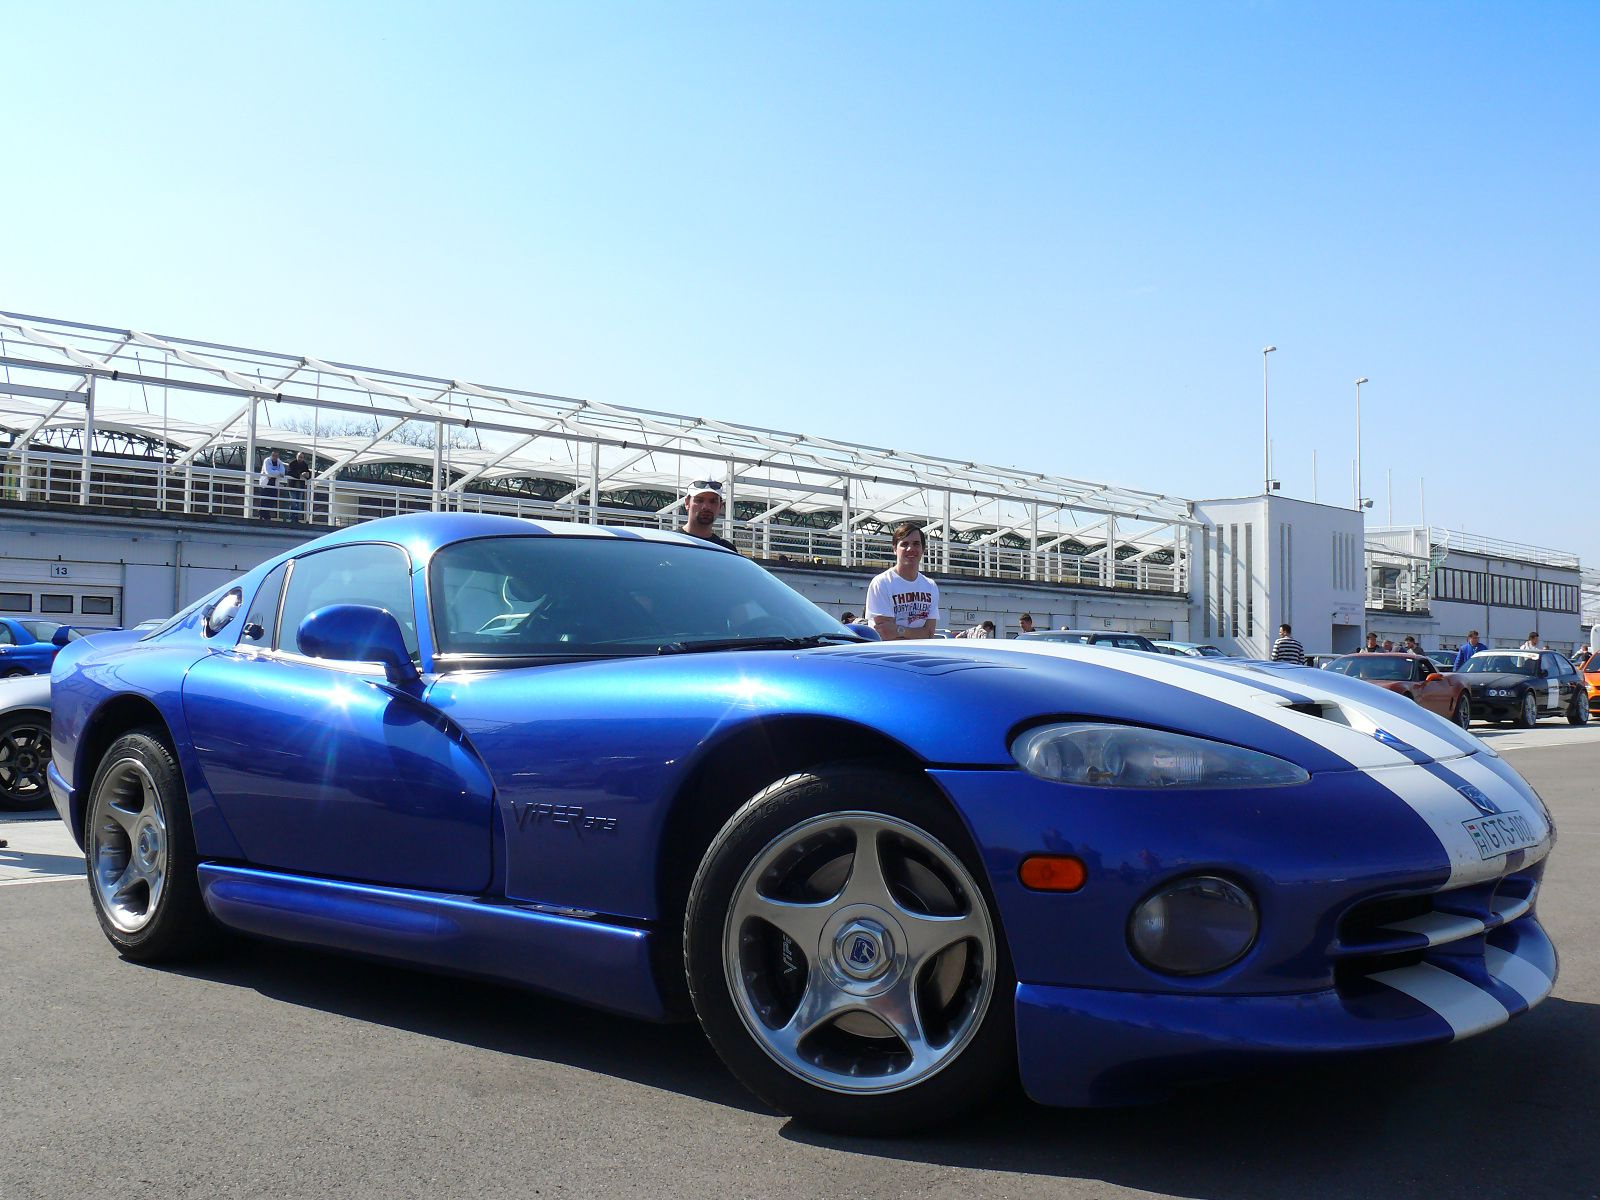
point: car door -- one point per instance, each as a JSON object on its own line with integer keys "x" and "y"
{"x": 1565, "y": 678}
{"x": 1434, "y": 695}
{"x": 325, "y": 768}
{"x": 1550, "y": 685}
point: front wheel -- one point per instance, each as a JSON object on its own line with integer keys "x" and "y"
{"x": 1528, "y": 717}
{"x": 140, "y": 853}
{"x": 1463, "y": 714}
{"x": 844, "y": 957}
{"x": 1578, "y": 712}
{"x": 24, "y": 755}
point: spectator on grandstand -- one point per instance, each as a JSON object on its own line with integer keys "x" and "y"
{"x": 1467, "y": 651}
{"x": 702, "y": 507}
{"x": 272, "y": 475}
{"x": 902, "y": 602}
{"x": 298, "y": 483}
{"x": 1287, "y": 648}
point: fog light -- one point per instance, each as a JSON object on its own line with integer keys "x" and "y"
{"x": 1197, "y": 925}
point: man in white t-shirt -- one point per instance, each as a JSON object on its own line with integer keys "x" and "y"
{"x": 903, "y": 603}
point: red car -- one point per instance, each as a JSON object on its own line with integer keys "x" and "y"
{"x": 1411, "y": 675}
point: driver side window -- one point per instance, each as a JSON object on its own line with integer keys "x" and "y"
{"x": 375, "y": 574}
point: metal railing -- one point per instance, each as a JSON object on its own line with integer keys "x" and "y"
{"x": 52, "y": 477}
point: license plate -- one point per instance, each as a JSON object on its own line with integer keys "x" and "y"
{"x": 1501, "y": 833}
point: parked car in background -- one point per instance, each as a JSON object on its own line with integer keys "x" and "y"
{"x": 1589, "y": 668}
{"x": 885, "y": 878}
{"x": 24, "y": 742}
{"x": 28, "y": 645}
{"x": 1189, "y": 649}
{"x": 1524, "y": 685}
{"x": 1092, "y": 637}
{"x": 1412, "y": 675}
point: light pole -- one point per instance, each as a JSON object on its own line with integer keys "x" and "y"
{"x": 1266, "y": 426}
{"x": 1361, "y": 502}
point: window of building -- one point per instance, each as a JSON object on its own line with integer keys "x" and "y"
{"x": 54, "y": 602}
{"x": 15, "y": 602}
{"x": 97, "y": 606}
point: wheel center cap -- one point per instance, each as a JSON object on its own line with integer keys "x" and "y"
{"x": 863, "y": 949}
{"x": 149, "y": 846}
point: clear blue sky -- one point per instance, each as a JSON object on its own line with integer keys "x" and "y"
{"x": 1052, "y": 236}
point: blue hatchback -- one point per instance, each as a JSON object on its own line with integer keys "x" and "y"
{"x": 28, "y": 646}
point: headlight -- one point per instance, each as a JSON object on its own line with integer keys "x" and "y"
{"x": 1131, "y": 757}
{"x": 1199, "y": 924}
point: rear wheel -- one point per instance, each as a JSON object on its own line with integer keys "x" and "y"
{"x": 1463, "y": 713}
{"x": 140, "y": 853}
{"x": 1578, "y": 710}
{"x": 24, "y": 755}
{"x": 1528, "y": 716}
{"x": 844, "y": 957}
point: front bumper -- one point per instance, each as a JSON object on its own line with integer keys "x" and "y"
{"x": 1495, "y": 708}
{"x": 1088, "y": 1046}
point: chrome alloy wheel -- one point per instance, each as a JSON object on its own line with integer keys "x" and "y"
{"x": 128, "y": 846}
{"x": 859, "y": 953}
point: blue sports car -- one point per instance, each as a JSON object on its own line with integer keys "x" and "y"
{"x": 28, "y": 646}
{"x": 635, "y": 770}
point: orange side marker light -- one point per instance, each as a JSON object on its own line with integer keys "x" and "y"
{"x": 1053, "y": 873}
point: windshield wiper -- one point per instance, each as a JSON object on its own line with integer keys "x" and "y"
{"x": 760, "y": 643}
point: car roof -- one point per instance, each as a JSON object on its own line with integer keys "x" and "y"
{"x": 427, "y": 532}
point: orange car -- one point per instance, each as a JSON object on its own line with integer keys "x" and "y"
{"x": 1413, "y": 675}
{"x": 1590, "y": 670}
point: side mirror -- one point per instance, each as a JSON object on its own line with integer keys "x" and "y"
{"x": 1435, "y": 678}
{"x": 866, "y": 633}
{"x": 358, "y": 633}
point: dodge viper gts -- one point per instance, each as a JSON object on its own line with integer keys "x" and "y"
{"x": 634, "y": 770}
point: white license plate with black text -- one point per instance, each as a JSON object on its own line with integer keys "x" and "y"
{"x": 1500, "y": 833}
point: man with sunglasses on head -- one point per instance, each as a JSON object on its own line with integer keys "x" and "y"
{"x": 702, "y": 508}
{"x": 903, "y": 603}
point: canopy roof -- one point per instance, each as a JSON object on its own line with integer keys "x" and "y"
{"x": 195, "y": 399}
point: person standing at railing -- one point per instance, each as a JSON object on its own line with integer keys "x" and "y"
{"x": 299, "y": 483}
{"x": 273, "y": 472}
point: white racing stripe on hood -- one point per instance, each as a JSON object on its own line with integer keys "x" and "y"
{"x": 1437, "y": 802}
{"x": 1236, "y": 686}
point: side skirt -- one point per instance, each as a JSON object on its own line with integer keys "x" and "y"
{"x": 571, "y": 955}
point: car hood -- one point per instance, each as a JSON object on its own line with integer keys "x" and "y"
{"x": 1498, "y": 679}
{"x": 959, "y": 704}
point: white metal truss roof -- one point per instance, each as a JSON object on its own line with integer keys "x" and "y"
{"x": 194, "y": 396}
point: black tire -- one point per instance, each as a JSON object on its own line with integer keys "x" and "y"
{"x": 912, "y": 934}
{"x": 1578, "y": 710}
{"x": 139, "y": 848}
{"x": 24, "y": 757}
{"x": 1463, "y": 713}
{"x": 1528, "y": 714}
{"x": 14, "y": 673}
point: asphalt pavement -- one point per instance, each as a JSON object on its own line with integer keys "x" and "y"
{"x": 273, "y": 1071}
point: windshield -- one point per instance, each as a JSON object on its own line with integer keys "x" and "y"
{"x": 1370, "y": 666}
{"x": 1503, "y": 664}
{"x": 529, "y": 597}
